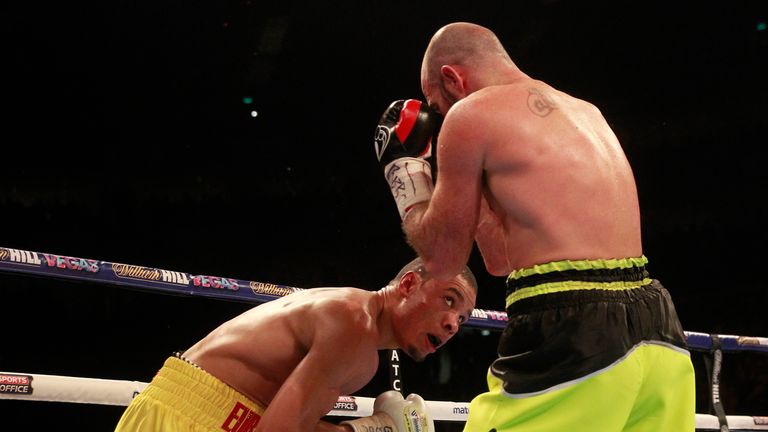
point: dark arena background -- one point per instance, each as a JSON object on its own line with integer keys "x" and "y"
{"x": 235, "y": 138}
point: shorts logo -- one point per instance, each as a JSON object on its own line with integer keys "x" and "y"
{"x": 241, "y": 419}
{"x": 16, "y": 384}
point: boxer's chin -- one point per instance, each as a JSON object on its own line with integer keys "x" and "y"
{"x": 414, "y": 353}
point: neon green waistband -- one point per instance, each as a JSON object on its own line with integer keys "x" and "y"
{"x": 569, "y": 275}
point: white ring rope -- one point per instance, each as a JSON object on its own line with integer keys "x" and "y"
{"x": 56, "y": 388}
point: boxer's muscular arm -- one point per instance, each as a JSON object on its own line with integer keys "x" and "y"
{"x": 339, "y": 354}
{"x": 442, "y": 230}
{"x": 491, "y": 241}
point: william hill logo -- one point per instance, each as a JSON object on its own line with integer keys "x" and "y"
{"x": 19, "y": 256}
{"x": 150, "y": 274}
{"x": 271, "y": 289}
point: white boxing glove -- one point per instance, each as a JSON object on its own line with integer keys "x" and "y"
{"x": 391, "y": 411}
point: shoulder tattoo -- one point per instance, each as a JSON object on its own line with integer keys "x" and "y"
{"x": 539, "y": 103}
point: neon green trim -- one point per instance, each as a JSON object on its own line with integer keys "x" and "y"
{"x": 555, "y": 266}
{"x": 554, "y": 287}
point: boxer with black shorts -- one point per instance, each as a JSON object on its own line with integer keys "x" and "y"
{"x": 538, "y": 180}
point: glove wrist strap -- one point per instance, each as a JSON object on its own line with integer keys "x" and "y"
{"x": 410, "y": 180}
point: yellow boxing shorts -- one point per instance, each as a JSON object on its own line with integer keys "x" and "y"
{"x": 183, "y": 397}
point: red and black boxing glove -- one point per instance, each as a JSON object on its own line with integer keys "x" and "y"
{"x": 403, "y": 142}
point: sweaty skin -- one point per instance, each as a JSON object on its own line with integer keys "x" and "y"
{"x": 297, "y": 354}
{"x": 530, "y": 173}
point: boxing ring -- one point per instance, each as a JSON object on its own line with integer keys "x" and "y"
{"x": 27, "y": 385}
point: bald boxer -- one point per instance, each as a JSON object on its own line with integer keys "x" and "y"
{"x": 282, "y": 365}
{"x": 538, "y": 180}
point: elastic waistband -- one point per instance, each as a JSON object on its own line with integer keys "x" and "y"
{"x": 560, "y": 276}
{"x": 201, "y": 396}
